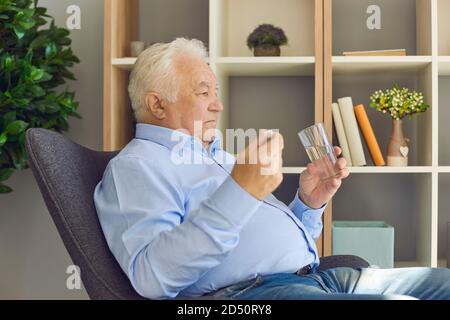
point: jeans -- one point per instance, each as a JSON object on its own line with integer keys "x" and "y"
{"x": 344, "y": 284}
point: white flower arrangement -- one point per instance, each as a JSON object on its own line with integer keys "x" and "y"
{"x": 398, "y": 102}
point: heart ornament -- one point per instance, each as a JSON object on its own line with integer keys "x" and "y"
{"x": 404, "y": 151}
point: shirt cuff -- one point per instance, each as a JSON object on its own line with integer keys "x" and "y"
{"x": 234, "y": 202}
{"x": 301, "y": 210}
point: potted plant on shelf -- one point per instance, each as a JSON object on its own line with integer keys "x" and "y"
{"x": 266, "y": 40}
{"x": 399, "y": 103}
{"x": 35, "y": 58}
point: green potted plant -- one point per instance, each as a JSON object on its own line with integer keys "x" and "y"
{"x": 399, "y": 103}
{"x": 266, "y": 40}
{"x": 35, "y": 58}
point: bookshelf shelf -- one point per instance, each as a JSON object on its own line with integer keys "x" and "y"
{"x": 249, "y": 66}
{"x": 364, "y": 65}
{"x": 408, "y": 264}
{"x": 386, "y": 169}
{"x": 369, "y": 169}
{"x": 293, "y": 170}
{"x": 124, "y": 63}
{"x": 266, "y": 66}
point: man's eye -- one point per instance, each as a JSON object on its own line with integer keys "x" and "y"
{"x": 205, "y": 93}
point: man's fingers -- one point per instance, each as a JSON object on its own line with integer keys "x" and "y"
{"x": 272, "y": 147}
{"x": 337, "y": 150}
{"x": 264, "y": 136}
{"x": 270, "y": 154}
{"x": 332, "y": 185}
{"x": 311, "y": 170}
{"x": 344, "y": 173}
{"x": 341, "y": 163}
{"x": 266, "y": 149}
{"x": 253, "y": 148}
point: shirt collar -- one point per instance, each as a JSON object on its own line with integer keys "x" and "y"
{"x": 170, "y": 138}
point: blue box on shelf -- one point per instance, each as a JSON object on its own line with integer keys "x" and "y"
{"x": 370, "y": 240}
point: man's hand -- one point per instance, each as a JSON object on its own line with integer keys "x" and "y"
{"x": 314, "y": 192}
{"x": 258, "y": 170}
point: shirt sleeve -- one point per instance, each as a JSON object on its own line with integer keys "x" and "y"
{"x": 311, "y": 218}
{"x": 162, "y": 248}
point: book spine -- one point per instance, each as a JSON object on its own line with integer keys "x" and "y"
{"x": 339, "y": 125}
{"x": 369, "y": 136}
{"x": 352, "y": 131}
{"x": 399, "y": 52}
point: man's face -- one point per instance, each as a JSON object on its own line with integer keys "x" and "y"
{"x": 197, "y": 99}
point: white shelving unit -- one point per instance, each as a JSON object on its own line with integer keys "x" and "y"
{"x": 420, "y": 69}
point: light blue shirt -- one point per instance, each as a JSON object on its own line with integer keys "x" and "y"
{"x": 180, "y": 228}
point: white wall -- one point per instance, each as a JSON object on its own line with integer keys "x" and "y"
{"x": 33, "y": 259}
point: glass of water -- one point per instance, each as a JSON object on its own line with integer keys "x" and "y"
{"x": 319, "y": 150}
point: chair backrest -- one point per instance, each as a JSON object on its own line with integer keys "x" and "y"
{"x": 67, "y": 174}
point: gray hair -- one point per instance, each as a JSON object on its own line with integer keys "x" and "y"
{"x": 153, "y": 71}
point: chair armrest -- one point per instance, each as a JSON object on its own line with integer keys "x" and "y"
{"x": 337, "y": 261}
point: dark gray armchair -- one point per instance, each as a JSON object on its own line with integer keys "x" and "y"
{"x": 67, "y": 174}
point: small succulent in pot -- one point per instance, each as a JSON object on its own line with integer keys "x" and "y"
{"x": 266, "y": 40}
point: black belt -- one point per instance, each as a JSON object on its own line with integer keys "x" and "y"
{"x": 305, "y": 270}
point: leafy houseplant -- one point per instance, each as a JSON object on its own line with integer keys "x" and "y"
{"x": 266, "y": 40}
{"x": 399, "y": 103}
{"x": 35, "y": 57}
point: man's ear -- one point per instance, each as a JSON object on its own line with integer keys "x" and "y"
{"x": 154, "y": 105}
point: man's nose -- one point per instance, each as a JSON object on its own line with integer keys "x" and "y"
{"x": 216, "y": 106}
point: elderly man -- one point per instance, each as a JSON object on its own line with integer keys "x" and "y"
{"x": 213, "y": 227}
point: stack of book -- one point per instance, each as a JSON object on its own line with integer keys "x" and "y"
{"x": 346, "y": 119}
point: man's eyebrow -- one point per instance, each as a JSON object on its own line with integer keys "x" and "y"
{"x": 206, "y": 84}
